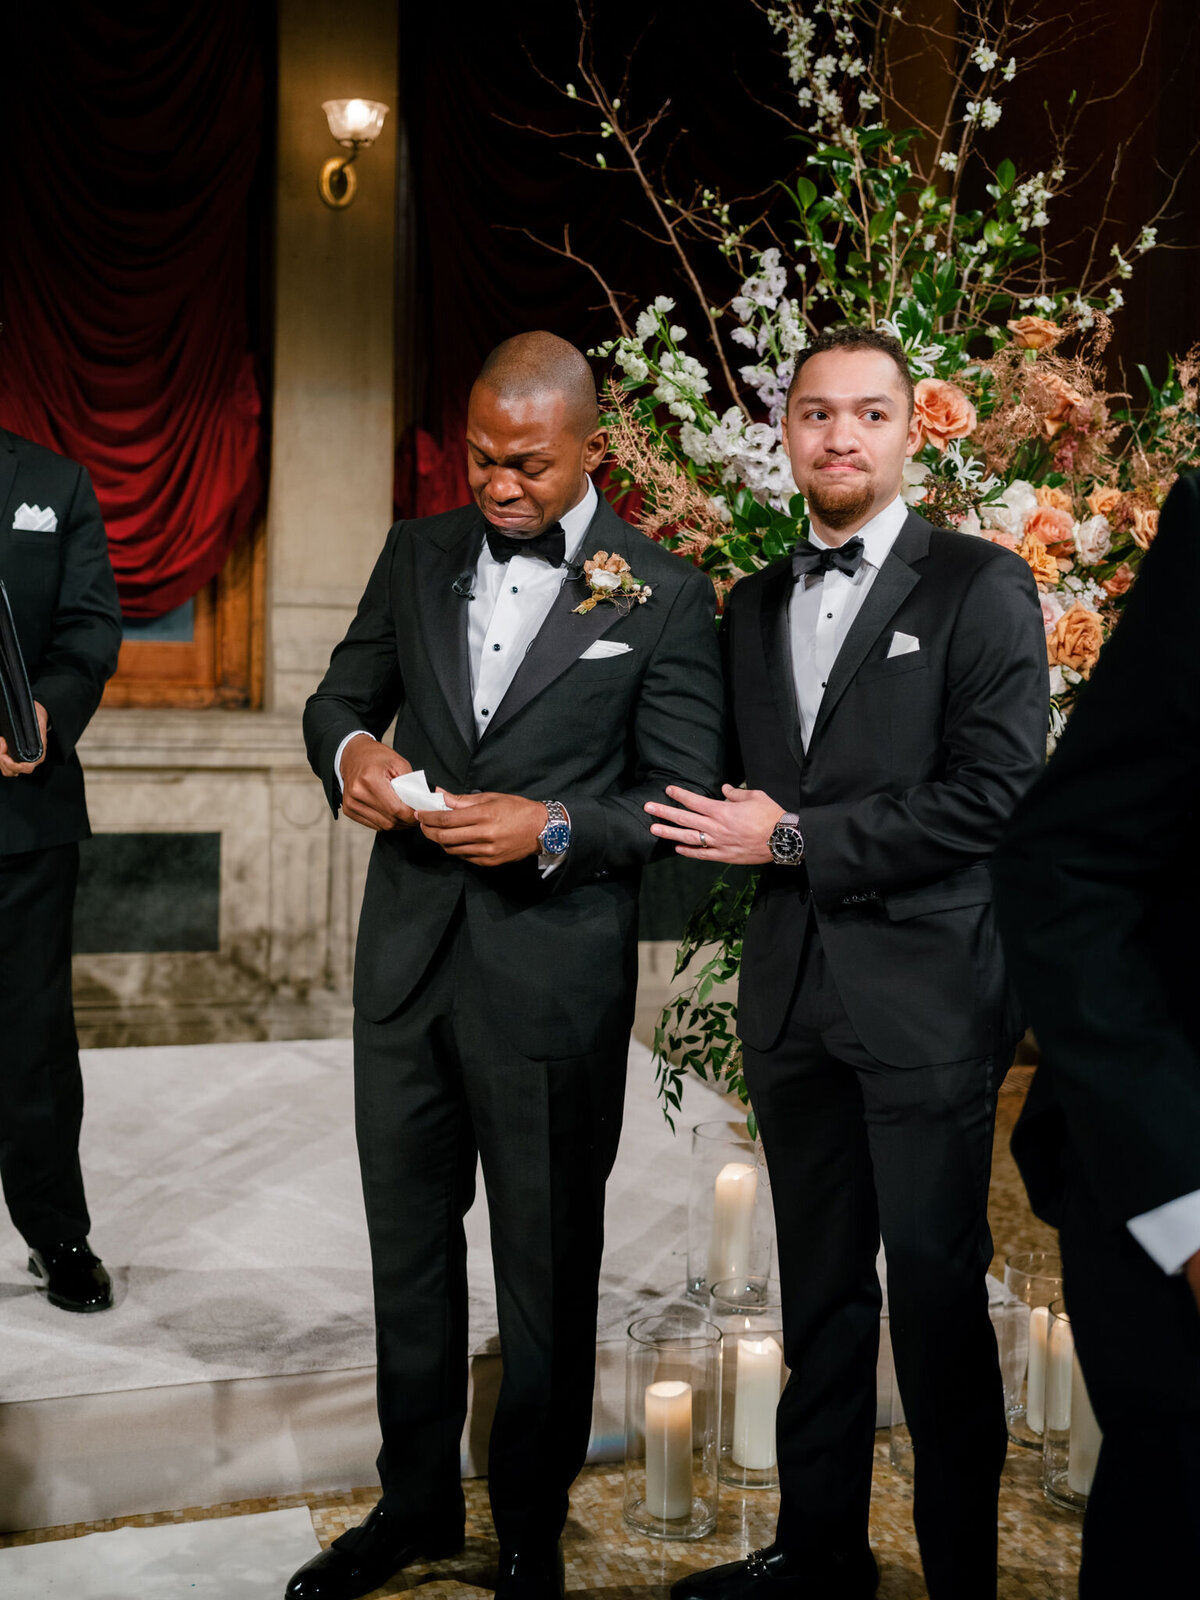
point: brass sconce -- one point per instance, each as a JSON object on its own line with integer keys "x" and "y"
{"x": 356, "y": 125}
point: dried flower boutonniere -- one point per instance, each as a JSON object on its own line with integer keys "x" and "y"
{"x": 610, "y": 579}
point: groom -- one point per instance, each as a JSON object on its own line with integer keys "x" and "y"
{"x": 889, "y": 698}
{"x": 495, "y": 973}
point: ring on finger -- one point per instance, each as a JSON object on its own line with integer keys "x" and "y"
{"x": 704, "y": 841}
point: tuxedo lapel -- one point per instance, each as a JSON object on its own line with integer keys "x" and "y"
{"x": 443, "y": 614}
{"x": 8, "y": 472}
{"x": 563, "y": 637}
{"x": 895, "y": 581}
{"x": 777, "y": 653}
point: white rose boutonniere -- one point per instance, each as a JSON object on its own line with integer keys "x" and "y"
{"x": 610, "y": 579}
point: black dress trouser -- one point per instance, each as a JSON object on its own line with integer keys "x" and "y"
{"x": 855, "y": 1148}
{"x": 437, "y": 1084}
{"x": 41, "y": 1088}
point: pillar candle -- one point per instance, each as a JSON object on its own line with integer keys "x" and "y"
{"x": 1060, "y": 1355}
{"x": 1083, "y": 1446}
{"x": 669, "y": 1449}
{"x": 1035, "y": 1388}
{"x": 733, "y": 1222}
{"x": 756, "y": 1396}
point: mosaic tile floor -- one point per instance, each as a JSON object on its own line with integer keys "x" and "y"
{"x": 1039, "y": 1545}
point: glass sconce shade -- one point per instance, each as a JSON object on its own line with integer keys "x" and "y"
{"x": 355, "y": 122}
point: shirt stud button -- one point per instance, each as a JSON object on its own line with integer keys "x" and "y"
{"x": 515, "y": 590}
{"x": 495, "y": 647}
{"x": 484, "y": 712}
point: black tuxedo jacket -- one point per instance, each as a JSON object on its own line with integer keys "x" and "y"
{"x": 913, "y": 768}
{"x": 1097, "y": 888}
{"x": 64, "y": 603}
{"x": 557, "y": 955}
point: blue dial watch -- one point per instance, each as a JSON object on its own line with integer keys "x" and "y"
{"x": 555, "y": 837}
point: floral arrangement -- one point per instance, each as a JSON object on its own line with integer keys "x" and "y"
{"x": 1021, "y": 442}
{"x": 611, "y": 581}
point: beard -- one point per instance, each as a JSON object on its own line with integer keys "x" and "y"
{"x": 840, "y": 504}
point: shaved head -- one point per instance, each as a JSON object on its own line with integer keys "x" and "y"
{"x": 534, "y": 364}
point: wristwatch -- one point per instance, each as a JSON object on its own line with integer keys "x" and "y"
{"x": 555, "y": 837}
{"x": 787, "y": 842}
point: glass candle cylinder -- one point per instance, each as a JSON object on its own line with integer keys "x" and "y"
{"x": 1071, "y": 1442}
{"x": 729, "y": 1212}
{"x": 1035, "y": 1278}
{"x": 672, "y": 1423}
{"x": 750, "y": 1316}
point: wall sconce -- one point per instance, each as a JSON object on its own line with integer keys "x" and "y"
{"x": 356, "y": 125}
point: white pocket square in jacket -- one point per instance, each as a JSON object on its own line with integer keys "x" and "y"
{"x": 35, "y": 519}
{"x": 605, "y": 647}
{"x": 902, "y": 644}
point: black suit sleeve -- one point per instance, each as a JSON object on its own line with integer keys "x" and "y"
{"x": 997, "y": 705}
{"x": 85, "y": 637}
{"x": 1090, "y": 892}
{"x": 675, "y": 737}
{"x": 363, "y": 686}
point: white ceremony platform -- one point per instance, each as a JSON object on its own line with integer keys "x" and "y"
{"x": 239, "y": 1358}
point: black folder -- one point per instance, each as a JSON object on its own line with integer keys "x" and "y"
{"x": 19, "y": 725}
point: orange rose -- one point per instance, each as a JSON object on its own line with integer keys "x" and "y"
{"x": 1056, "y": 499}
{"x": 1145, "y": 526}
{"x": 1064, "y": 399}
{"x": 1050, "y": 525}
{"x": 1104, "y": 500}
{"x": 1120, "y": 580}
{"x": 943, "y": 411}
{"x": 1076, "y": 640}
{"x": 1035, "y": 333}
{"x": 1041, "y": 563}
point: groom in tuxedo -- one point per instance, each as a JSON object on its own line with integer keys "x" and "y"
{"x": 496, "y": 962}
{"x": 889, "y": 699}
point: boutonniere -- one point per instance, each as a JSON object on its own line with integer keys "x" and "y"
{"x": 610, "y": 579}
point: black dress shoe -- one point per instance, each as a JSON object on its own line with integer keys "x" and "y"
{"x": 74, "y": 1278}
{"x": 364, "y": 1557}
{"x": 530, "y": 1574}
{"x": 775, "y": 1574}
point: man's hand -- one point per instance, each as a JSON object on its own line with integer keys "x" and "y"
{"x": 368, "y": 768}
{"x": 735, "y": 830}
{"x": 488, "y": 830}
{"x": 18, "y": 769}
{"x": 1191, "y": 1271}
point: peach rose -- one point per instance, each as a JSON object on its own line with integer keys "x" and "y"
{"x": 1010, "y": 541}
{"x": 1035, "y": 333}
{"x": 1076, "y": 640}
{"x": 1052, "y": 609}
{"x": 1056, "y": 499}
{"x": 1145, "y": 526}
{"x": 943, "y": 411}
{"x": 1119, "y": 582}
{"x": 1063, "y": 403}
{"x": 1104, "y": 500}
{"x": 1041, "y": 563}
{"x": 1051, "y": 525}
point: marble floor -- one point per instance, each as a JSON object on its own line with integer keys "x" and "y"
{"x": 1039, "y": 1544}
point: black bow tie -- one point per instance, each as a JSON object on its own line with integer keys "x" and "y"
{"x": 551, "y": 544}
{"x": 811, "y": 558}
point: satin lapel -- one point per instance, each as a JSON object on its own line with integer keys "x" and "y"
{"x": 563, "y": 637}
{"x": 895, "y": 581}
{"x": 443, "y": 617}
{"x": 8, "y": 472}
{"x": 777, "y": 652}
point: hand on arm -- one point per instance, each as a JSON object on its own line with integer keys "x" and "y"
{"x": 18, "y": 769}
{"x": 735, "y": 830}
{"x": 367, "y": 794}
{"x": 488, "y": 830}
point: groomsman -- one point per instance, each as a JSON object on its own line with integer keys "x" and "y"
{"x": 1096, "y": 888}
{"x": 889, "y": 699}
{"x": 55, "y": 567}
{"x": 494, "y": 980}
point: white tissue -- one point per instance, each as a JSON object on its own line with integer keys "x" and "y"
{"x": 412, "y": 788}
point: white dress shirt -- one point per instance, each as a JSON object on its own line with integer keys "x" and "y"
{"x": 823, "y": 606}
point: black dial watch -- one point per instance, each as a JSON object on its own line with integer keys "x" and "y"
{"x": 787, "y": 842}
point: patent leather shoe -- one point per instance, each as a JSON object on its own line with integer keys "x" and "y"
{"x": 362, "y": 1558}
{"x": 775, "y": 1574}
{"x": 530, "y": 1574}
{"x": 72, "y": 1275}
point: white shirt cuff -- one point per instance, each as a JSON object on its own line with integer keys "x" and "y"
{"x": 337, "y": 760}
{"x": 1170, "y": 1234}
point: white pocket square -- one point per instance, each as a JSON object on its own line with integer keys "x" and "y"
{"x": 902, "y": 644}
{"x": 35, "y": 519}
{"x": 605, "y": 647}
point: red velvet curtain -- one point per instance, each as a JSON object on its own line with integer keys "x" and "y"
{"x": 131, "y": 147}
